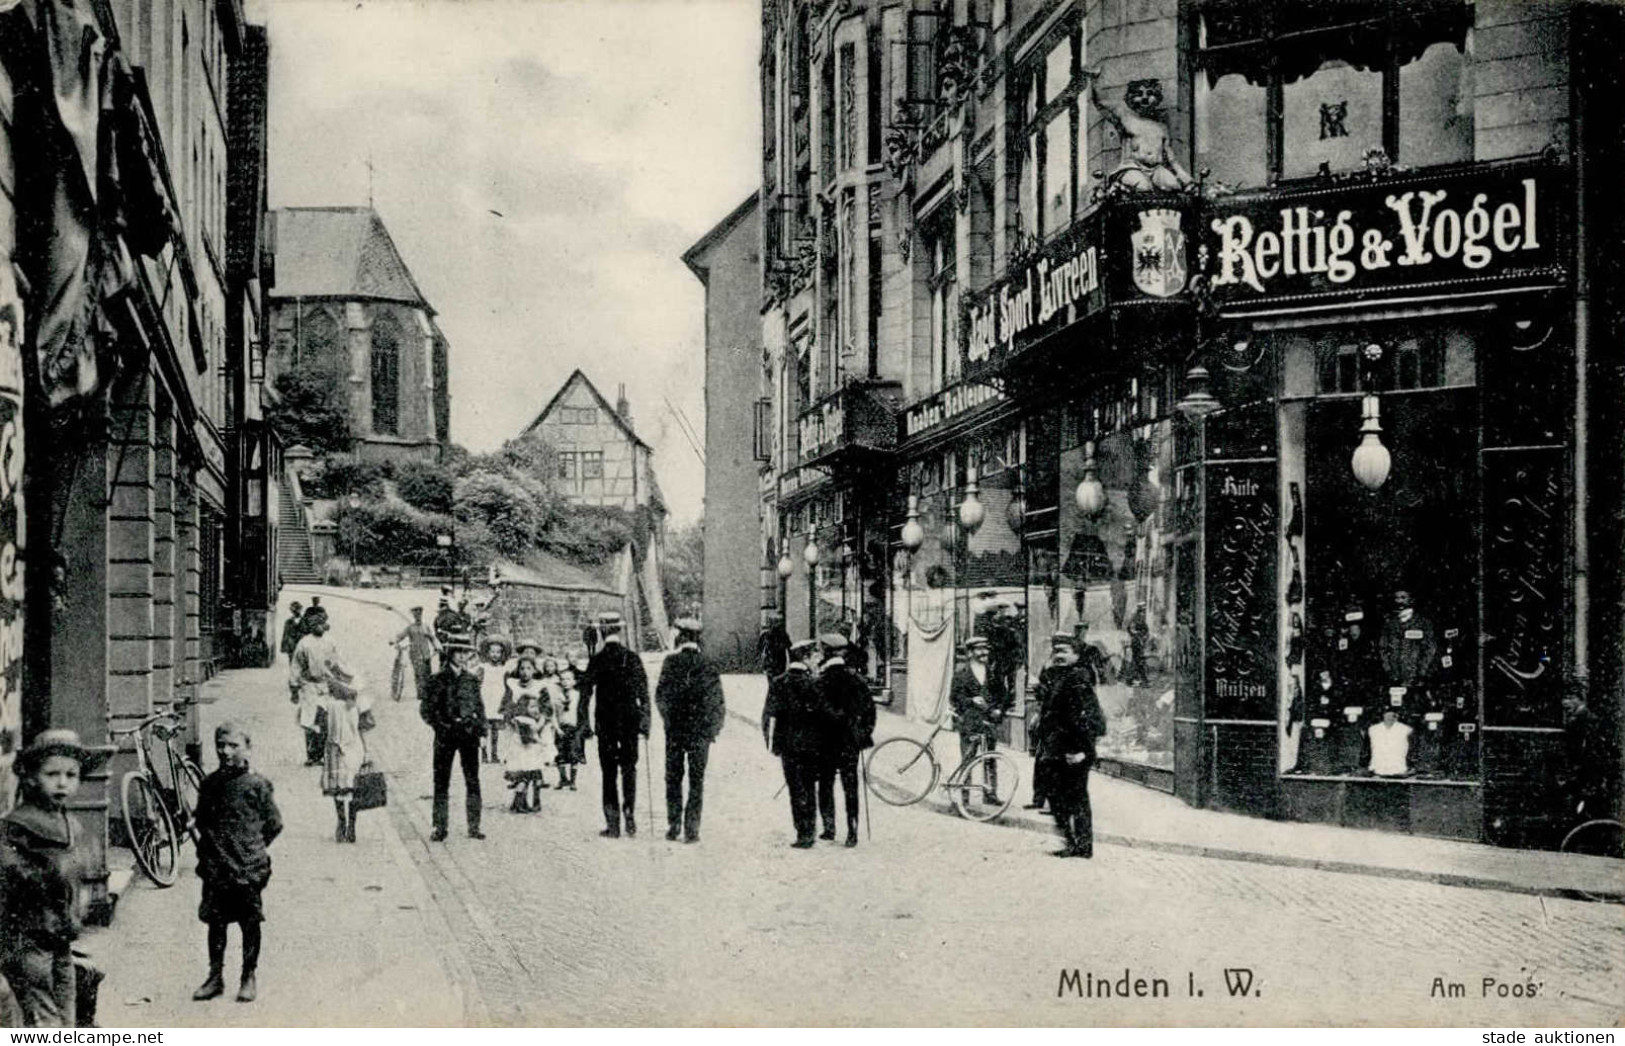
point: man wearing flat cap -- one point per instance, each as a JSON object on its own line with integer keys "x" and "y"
{"x": 1071, "y": 722}
{"x": 847, "y": 696}
{"x": 977, "y": 710}
{"x": 616, "y": 680}
{"x": 689, "y": 696}
{"x": 797, "y": 728}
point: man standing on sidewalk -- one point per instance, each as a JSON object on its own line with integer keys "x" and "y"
{"x": 689, "y": 696}
{"x": 1072, "y": 721}
{"x": 795, "y": 728}
{"x": 454, "y": 711}
{"x": 847, "y": 695}
{"x": 977, "y": 711}
{"x": 420, "y": 644}
{"x": 616, "y": 679}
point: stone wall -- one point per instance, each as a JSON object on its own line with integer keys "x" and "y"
{"x": 554, "y": 617}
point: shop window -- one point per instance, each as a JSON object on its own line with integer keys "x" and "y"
{"x": 1381, "y": 588}
{"x": 1102, "y": 568}
{"x": 1290, "y": 90}
{"x": 1053, "y": 157}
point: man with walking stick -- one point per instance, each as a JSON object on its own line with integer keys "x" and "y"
{"x": 796, "y": 726}
{"x": 847, "y": 695}
{"x": 689, "y": 697}
{"x": 616, "y": 680}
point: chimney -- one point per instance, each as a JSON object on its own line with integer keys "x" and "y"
{"x": 622, "y": 407}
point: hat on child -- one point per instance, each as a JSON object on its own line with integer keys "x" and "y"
{"x": 58, "y": 741}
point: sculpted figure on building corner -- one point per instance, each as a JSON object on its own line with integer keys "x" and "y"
{"x": 1148, "y": 162}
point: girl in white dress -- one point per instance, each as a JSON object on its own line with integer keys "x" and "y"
{"x": 528, "y": 710}
{"x": 494, "y": 652}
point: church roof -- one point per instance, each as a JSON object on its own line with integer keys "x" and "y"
{"x": 339, "y": 252}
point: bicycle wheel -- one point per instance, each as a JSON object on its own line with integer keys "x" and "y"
{"x": 902, "y": 771}
{"x": 149, "y": 830}
{"x": 985, "y": 787}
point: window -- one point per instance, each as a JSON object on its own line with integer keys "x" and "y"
{"x": 1053, "y": 156}
{"x": 1296, "y": 90}
{"x": 592, "y": 464}
{"x": 762, "y": 431}
{"x": 567, "y": 464}
{"x": 941, "y": 256}
{"x": 386, "y": 375}
{"x": 578, "y": 415}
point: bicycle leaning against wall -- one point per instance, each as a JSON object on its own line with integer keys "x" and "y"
{"x": 160, "y": 795}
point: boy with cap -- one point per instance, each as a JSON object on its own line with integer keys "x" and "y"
{"x": 237, "y": 819}
{"x": 40, "y": 872}
{"x": 689, "y": 697}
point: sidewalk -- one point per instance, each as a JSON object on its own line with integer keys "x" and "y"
{"x": 1131, "y": 815}
{"x": 351, "y": 932}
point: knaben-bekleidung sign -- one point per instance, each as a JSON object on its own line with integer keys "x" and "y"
{"x": 1467, "y": 227}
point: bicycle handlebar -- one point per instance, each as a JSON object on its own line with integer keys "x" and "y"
{"x": 173, "y": 712}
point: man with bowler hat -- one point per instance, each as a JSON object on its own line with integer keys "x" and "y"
{"x": 797, "y": 727}
{"x": 847, "y": 696}
{"x": 689, "y": 696}
{"x": 617, "y": 682}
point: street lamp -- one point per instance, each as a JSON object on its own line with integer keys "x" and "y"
{"x": 1091, "y": 493}
{"x": 913, "y": 535}
{"x": 355, "y": 534}
{"x": 971, "y": 511}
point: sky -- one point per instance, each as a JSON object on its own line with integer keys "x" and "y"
{"x": 606, "y": 135}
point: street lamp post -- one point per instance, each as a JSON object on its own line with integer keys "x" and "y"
{"x": 355, "y": 535}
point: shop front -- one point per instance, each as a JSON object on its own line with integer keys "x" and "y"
{"x": 832, "y": 548}
{"x": 1386, "y": 514}
{"x": 1042, "y": 486}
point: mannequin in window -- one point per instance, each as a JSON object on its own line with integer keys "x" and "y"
{"x": 1409, "y": 651}
{"x": 1148, "y": 163}
{"x": 1390, "y": 745}
{"x": 1317, "y": 743}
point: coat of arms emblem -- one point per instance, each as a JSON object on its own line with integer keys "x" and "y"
{"x": 1159, "y": 253}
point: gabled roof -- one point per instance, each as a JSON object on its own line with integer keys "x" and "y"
{"x": 339, "y": 252}
{"x": 694, "y": 257}
{"x": 575, "y": 376}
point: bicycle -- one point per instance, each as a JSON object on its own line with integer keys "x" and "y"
{"x": 902, "y": 771}
{"x": 1597, "y": 837}
{"x": 158, "y": 810}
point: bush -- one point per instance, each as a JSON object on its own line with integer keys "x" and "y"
{"x": 587, "y": 534}
{"x": 339, "y": 477}
{"x": 426, "y": 486}
{"x": 503, "y": 506}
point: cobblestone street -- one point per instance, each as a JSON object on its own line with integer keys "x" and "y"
{"x": 933, "y": 920}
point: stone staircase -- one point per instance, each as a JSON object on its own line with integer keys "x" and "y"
{"x": 294, "y": 559}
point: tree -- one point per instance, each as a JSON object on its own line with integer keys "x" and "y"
{"x": 426, "y": 486}
{"x": 502, "y": 505}
{"x": 682, "y": 574}
{"x": 307, "y": 410}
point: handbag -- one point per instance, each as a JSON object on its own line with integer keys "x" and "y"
{"x": 371, "y": 790}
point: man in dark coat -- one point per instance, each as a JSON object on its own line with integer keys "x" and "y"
{"x": 616, "y": 679}
{"x": 977, "y": 709}
{"x": 847, "y": 696}
{"x": 796, "y": 728}
{"x": 774, "y": 646}
{"x": 293, "y": 629}
{"x": 1072, "y": 721}
{"x": 446, "y": 621}
{"x": 457, "y": 715}
{"x": 689, "y": 696}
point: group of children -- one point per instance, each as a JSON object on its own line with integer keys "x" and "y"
{"x": 44, "y": 982}
{"x": 537, "y": 699}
